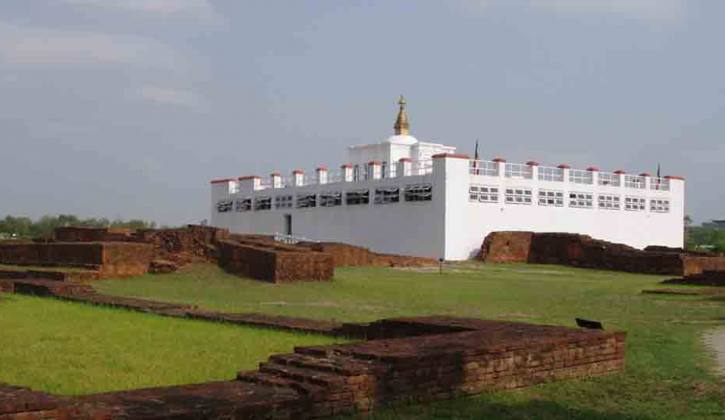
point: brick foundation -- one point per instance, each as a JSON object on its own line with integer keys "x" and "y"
{"x": 275, "y": 263}
{"x": 706, "y": 278}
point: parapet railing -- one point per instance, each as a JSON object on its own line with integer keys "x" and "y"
{"x": 373, "y": 170}
{"x": 591, "y": 176}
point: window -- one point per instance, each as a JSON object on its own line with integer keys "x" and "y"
{"x": 551, "y": 198}
{"x": 634, "y": 203}
{"x": 551, "y": 174}
{"x": 633, "y": 181}
{"x": 330, "y": 199}
{"x": 245, "y": 204}
{"x": 518, "y": 196}
{"x": 306, "y": 200}
{"x": 608, "y": 202}
{"x": 263, "y": 203}
{"x": 483, "y": 194}
{"x": 581, "y": 200}
{"x": 224, "y": 206}
{"x": 283, "y": 202}
{"x": 384, "y": 170}
{"x": 579, "y": 176}
{"x": 234, "y": 187}
{"x": 659, "y": 206}
{"x": 518, "y": 170}
{"x": 608, "y": 178}
{"x": 356, "y": 173}
{"x": 357, "y": 197}
{"x": 420, "y": 192}
{"x": 387, "y": 195}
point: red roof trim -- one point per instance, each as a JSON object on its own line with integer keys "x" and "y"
{"x": 499, "y": 159}
{"x": 681, "y": 178}
{"x": 532, "y": 163}
{"x": 321, "y": 168}
{"x": 275, "y": 174}
{"x": 221, "y": 180}
{"x": 375, "y": 162}
{"x": 620, "y": 172}
{"x": 593, "y": 169}
{"x": 248, "y": 177}
{"x": 645, "y": 174}
{"x": 564, "y": 166}
{"x": 404, "y": 159}
{"x": 346, "y": 165}
{"x": 450, "y": 155}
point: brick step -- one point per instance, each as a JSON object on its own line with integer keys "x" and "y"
{"x": 315, "y": 392}
{"x": 58, "y": 274}
{"x": 49, "y": 288}
{"x": 339, "y": 364}
{"x": 328, "y": 380}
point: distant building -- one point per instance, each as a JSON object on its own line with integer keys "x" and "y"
{"x": 717, "y": 224}
{"x": 411, "y": 197}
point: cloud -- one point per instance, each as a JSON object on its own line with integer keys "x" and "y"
{"x": 168, "y": 96}
{"x": 187, "y": 9}
{"x": 33, "y": 46}
{"x": 641, "y": 9}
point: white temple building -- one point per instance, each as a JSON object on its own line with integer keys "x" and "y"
{"x": 409, "y": 197}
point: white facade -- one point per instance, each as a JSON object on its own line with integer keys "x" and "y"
{"x": 424, "y": 200}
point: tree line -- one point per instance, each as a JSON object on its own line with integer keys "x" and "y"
{"x": 25, "y": 227}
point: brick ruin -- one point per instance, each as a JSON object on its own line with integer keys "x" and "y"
{"x": 706, "y": 278}
{"x": 111, "y": 253}
{"x": 584, "y": 251}
{"x": 394, "y": 361}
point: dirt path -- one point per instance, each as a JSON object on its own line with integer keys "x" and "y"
{"x": 716, "y": 340}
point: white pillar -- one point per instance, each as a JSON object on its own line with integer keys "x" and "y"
{"x": 595, "y": 174}
{"x": 276, "y": 179}
{"x": 321, "y": 175}
{"x": 374, "y": 169}
{"x": 500, "y": 166}
{"x": 298, "y": 178}
{"x": 565, "y": 168}
{"x": 534, "y": 165}
{"x": 346, "y": 171}
{"x": 621, "y": 174}
{"x": 647, "y": 179}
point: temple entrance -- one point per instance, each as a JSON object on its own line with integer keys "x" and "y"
{"x": 288, "y": 224}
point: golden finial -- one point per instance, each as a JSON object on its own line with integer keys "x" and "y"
{"x": 402, "y": 126}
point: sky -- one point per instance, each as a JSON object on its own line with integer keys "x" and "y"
{"x": 128, "y": 108}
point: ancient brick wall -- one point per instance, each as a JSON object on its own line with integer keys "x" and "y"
{"x": 275, "y": 263}
{"x": 584, "y": 251}
{"x": 694, "y": 264}
{"x": 110, "y": 259}
{"x": 345, "y": 255}
{"x": 91, "y": 234}
{"x": 506, "y": 247}
{"x": 705, "y": 278}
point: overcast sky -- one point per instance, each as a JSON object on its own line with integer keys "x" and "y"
{"x": 127, "y": 108}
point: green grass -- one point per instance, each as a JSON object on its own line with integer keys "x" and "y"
{"x": 668, "y": 372}
{"x": 70, "y": 348}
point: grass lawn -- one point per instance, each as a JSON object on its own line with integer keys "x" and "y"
{"x": 668, "y": 372}
{"x": 71, "y": 348}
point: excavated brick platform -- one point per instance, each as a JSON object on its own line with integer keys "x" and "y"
{"x": 403, "y": 360}
{"x": 431, "y": 358}
{"x": 472, "y": 357}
